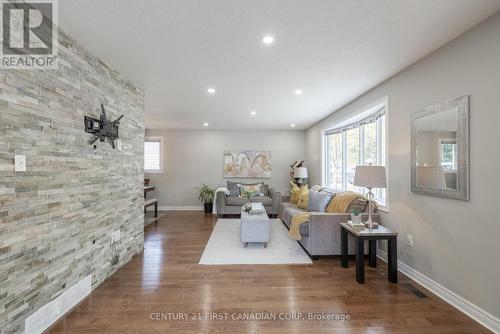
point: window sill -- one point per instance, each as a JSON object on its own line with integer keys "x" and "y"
{"x": 384, "y": 209}
{"x": 153, "y": 172}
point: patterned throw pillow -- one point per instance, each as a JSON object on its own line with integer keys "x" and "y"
{"x": 303, "y": 198}
{"x": 253, "y": 188}
{"x": 234, "y": 188}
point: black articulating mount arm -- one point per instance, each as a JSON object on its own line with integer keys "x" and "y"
{"x": 102, "y": 129}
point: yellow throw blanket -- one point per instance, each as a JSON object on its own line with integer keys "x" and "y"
{"x": 341, "y": 202}
{"x": 298, "y": 220}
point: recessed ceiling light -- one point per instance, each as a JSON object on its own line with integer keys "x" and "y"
{"x": 298, "y": 92}
{"x": 205, "y": 124}
{"x": 292, "y": 125}
{"x": 268, "y": 39}
{"x": 211, "y": 90}
{"x": 253, "y": 113}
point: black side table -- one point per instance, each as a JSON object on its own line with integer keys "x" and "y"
{"x": 381, "y": 233}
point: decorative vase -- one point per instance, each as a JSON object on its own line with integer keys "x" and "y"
{"x": 356, "y": 219}
{"x": 208, "y": 207}
{"x": 248, "y": 207}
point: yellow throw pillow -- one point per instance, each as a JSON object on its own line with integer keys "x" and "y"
{"x": 295, "y": 191}
{"x": 303, "y": 198}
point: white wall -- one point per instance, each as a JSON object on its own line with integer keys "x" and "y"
{"x": 192, "y": 157}
{"x": 455, "y": 242}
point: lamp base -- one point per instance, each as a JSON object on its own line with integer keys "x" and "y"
{"x": 373, "y": 227}
{"x": 370, "y": 223}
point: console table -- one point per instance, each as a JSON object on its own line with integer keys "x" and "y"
{"x": 372, "y": 235}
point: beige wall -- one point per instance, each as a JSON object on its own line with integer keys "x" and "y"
{"x": 429, "y": 146}
{"x": 192, "y": 157}
{"x": 455, "y": 242}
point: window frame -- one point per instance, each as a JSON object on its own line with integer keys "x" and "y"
{"x": 455, "y": 157}
{"x": 154, "y": 139}
{"x": 382, "y": 149}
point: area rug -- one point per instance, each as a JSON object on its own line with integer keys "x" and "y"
{"x": 224, "y": 247}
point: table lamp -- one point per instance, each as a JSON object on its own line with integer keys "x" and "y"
{"x": 370, "y": 177}
{"x": 300, "y": 173}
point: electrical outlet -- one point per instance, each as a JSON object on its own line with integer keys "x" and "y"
{"x": 115, "y": 236}
{"x": 119, "y": 145}
{"x": 409, "y": 240}
{"x": 19, "y": 163}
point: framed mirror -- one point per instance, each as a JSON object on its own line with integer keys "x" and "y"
{"x": 440, "y": 150}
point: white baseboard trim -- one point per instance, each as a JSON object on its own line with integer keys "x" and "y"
{"x": 180, "y": 208}
{"x": 463, "y": 305}
{"x": 48, "y": 314}
{"x": 175, "y": 208}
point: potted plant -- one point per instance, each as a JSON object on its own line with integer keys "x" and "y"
{"x": 206, "y": 196}
{"x": 248, "y": 194}
{"x": 356, "y": 216}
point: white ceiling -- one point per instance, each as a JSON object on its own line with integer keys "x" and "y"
{"x": 334, "y": 50}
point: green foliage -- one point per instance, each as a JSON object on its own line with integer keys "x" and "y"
{"x": 356, "y": 212}
{"x": 248, "y": 194}
{"x": 205, "y": 193}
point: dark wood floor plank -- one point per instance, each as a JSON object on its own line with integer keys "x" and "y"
{"x": 166, "y": 277}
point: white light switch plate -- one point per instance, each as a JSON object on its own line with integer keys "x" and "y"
{"x": 119, "y": 145}
{"x": 20, "y": 163}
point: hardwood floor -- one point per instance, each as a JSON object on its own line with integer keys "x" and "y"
{"x": 166, "y": 280}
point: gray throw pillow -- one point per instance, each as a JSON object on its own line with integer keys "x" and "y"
{"x": 318, "y": 200}
{"x": 234, "y": 188}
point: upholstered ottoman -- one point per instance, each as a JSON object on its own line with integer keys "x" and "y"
{"x": 255, "y": 227}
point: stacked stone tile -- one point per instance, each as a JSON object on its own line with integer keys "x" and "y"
{"x": 56, "y": 219}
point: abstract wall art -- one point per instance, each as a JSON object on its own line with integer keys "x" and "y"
{"x": 247, "y": 164}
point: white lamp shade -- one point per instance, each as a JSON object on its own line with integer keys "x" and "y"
{"x": 430, "y": 177}
{"x": 300, "y": 173}
{"x": 370, "y": 177}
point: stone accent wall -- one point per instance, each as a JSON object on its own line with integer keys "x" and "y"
{"x": 56, "y": 219}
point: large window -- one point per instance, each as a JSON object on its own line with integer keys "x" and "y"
{"x": 360, "y": 142}
{"x": 153, "y": 155}
{"x": 449, "y": 154}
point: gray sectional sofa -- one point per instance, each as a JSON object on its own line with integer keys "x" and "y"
{"x": 321, "y": 234}
{"x": 231, "y": 205}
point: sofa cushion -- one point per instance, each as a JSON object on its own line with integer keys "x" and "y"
{"x": 231, "y": 200}
{"x": 289, "y": 212}
{"x": 240, "y": 201}
{"x": 318, "y": 200}
{"x": 284, "y": 212}
{"x": 265, "y": 200}
{"x": 234, "y": 188}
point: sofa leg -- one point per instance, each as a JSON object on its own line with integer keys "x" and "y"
{"x": 315, "y": 257}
